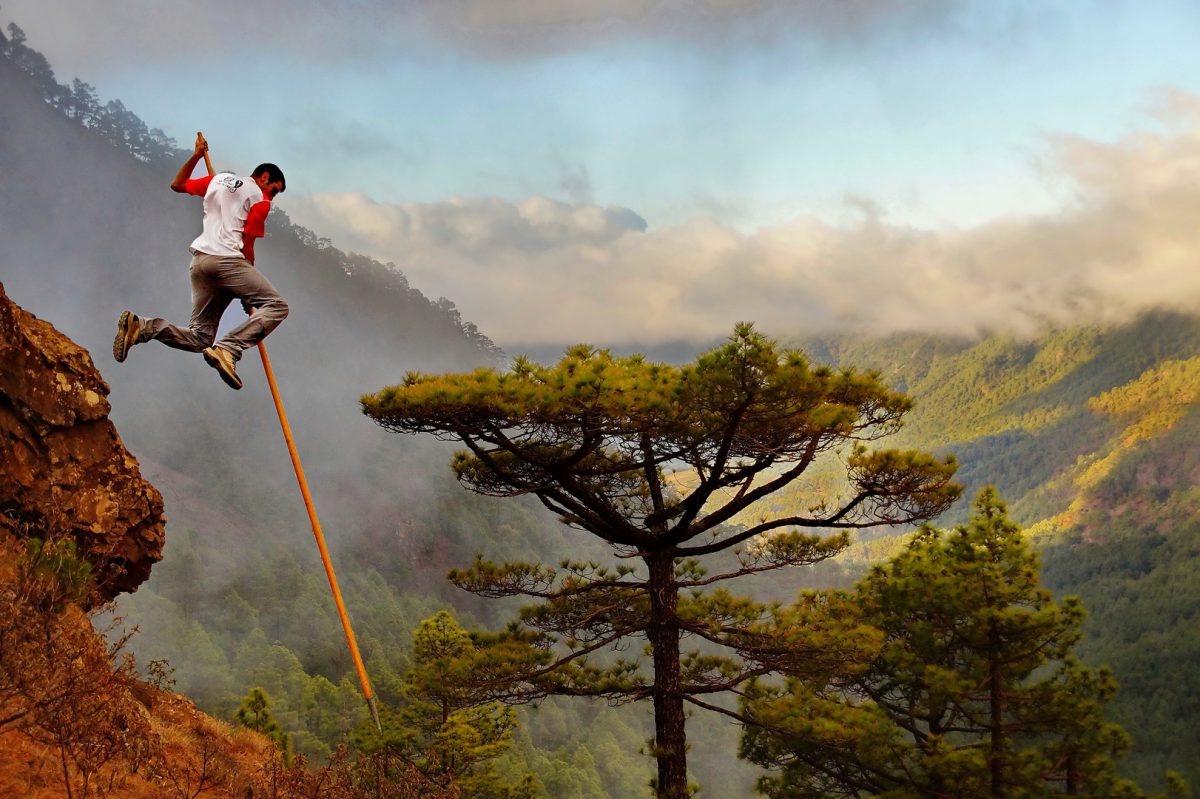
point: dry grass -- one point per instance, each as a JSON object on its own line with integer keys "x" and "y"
{"x": 194, "y": 756}
{"x": 77, "y": 723}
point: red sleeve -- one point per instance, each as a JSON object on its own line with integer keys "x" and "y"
{"x": 197, "y": 186}
{"x": 256, "y": 220}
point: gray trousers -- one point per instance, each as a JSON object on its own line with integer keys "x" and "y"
{"x": 218, "y": 280}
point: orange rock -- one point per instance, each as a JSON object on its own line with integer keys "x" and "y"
{"x": 63, "y": 468}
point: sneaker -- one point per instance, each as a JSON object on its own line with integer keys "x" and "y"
{"x": 222, "y": 361}
{"x": 129, "y": 327}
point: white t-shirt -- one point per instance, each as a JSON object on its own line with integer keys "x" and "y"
{"x": 227, "y": 202}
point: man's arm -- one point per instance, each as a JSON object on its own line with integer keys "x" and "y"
{"x": 179, "y": 184}
{"x": 254, "y": 228}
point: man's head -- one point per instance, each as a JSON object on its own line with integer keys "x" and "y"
{"x": 269, "y": 178}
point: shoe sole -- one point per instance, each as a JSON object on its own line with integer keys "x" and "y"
{"x": 121, "y": 343}
{"x": 231, "y": 379}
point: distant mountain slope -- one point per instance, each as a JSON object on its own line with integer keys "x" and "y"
{"x": 1049, "y": 421}
{"x": 1093, "y": 436}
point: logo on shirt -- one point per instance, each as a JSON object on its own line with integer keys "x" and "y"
{"x": 231, "y": 183}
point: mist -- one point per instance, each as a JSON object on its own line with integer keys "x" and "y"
{"x": 117, "y": 240}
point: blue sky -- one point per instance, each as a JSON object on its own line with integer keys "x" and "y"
{"x": 733, "y": 129}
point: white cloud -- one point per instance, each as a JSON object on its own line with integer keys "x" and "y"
{"x": 477, "y": 227}
{"x": 545, "y": 272}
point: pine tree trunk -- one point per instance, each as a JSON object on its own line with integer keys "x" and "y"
{"x": 670, "y": 737}
{"x": 996, "y": 706}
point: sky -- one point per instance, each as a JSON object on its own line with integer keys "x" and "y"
{"x": 628, "y": 172}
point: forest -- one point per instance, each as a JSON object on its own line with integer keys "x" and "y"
{"x": 849, "y": 654}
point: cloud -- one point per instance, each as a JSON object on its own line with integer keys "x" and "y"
{"x": 513, "y": 28}
{"x": 81, "y": 35}
{"x": 544, "y": 272}
{"x": 465, "y": 228}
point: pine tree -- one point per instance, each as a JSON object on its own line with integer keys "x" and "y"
{"x": 664, "y": 463}
{"x": 445, "y": 727}
{"x": 975, "y": 691}
{"x": 255, "y": 714}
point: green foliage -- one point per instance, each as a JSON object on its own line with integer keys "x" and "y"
{"x": 975, "y": 691}
{"x": 658, "y": 461}
{"x": 1022, "y": 413}
{"x": 1140, "y": 589}
{"x": 448, "y": 730}
{"x": 255, "y": 714}
{"x": 592, "y": 437}
{"x": 54, "y": 574}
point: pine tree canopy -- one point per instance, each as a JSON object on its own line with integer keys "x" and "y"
{"x": 647, "y": 455}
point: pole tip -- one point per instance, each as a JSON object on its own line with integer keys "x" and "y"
{"x": 374, "y": 713}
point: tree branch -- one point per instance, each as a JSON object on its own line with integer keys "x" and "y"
{"x": 686, "y": 532}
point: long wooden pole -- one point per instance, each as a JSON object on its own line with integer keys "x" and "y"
{"x": 368, "y": 693}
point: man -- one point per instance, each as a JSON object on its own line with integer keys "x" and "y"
{"x": 235, "y": 211}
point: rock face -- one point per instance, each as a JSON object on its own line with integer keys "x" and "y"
{"x": 63, "y": 468}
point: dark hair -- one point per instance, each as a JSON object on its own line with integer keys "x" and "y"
{"x": 273, "y": 173}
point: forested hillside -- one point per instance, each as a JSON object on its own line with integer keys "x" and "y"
{"x": 1091, "y": 434}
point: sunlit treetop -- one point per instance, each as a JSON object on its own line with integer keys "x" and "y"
{"x": 594, "y": 436}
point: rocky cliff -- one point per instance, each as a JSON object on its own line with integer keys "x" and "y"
{"x": 63, "y": 468}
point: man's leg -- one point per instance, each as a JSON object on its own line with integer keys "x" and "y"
{"x": 209, "y": 301}
{"x": 250, "y": 286}
{"x": 243, "y": 281}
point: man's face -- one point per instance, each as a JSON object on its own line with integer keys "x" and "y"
{"x": 269, "y": 187}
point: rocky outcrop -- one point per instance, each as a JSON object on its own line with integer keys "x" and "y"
{"x": 63, "y": 468}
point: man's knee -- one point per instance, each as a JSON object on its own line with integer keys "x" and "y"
{"x": 204, "y": 339}
{"x": 275, "y": 308}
